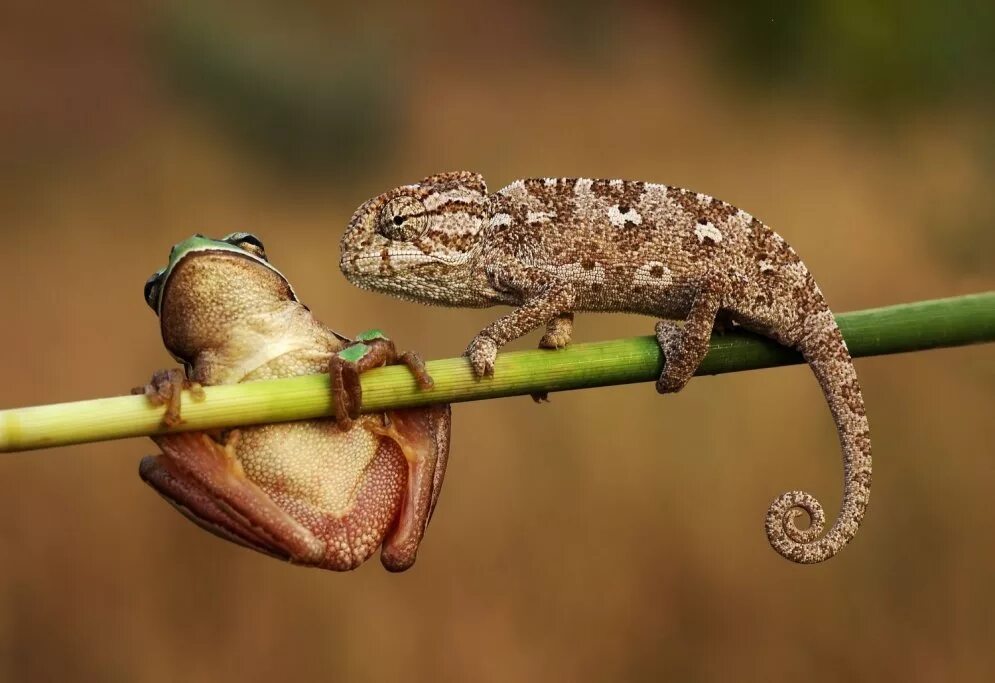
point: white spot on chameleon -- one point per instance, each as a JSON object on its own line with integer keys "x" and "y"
{"x": 703, "y": 198}
{"x": 616, "y": 184}
{"x": 534, "y": 217}
{"x": 654, "y": 195}
{"x": 549, "y": 182}
{"x": 653, "y": 273}
{"x": 619, "y": 219}
{"x": 500, "y": 220}
{"x": 707, "y": 231}
{"x": 576, "y": 272}
{"x": 765, "y": 266}
{"x": 583, "y": 186}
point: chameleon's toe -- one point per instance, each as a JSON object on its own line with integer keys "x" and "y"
{"x": 482, "y": 353}
{"x": 554, "y": 341}
{"x": 674, "y": 376}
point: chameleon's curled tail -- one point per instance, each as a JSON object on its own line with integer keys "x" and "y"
{"x": 823, "y": 347}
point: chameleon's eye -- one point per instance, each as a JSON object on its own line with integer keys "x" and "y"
{"x": 152, "y": 290}
{"x": 248, "y": 242}
{"x": 402, "y": 219}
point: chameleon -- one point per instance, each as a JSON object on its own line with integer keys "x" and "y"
{"x": 553, "y": 246}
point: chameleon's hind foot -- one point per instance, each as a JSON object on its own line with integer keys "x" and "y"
{"x": 678, "y": 366}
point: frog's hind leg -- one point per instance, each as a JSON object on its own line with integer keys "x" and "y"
{"x": 201, "y": 508}
{"x": 423, "y": 437}
{"x": 194, "y": 462}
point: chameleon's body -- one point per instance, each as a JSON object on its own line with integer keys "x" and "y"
{"x": 554, "y": 246}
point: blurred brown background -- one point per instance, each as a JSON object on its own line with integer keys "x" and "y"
{"x": 611, "y": 535}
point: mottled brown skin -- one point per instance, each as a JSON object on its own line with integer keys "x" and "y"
{"x": 552, "y": 246}
{"x": 308, "y": 492}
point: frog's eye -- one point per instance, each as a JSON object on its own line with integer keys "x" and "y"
{"x": 152, "y": 290}
{"x": 248, "y": 242}
{"x": 402, "y": 219}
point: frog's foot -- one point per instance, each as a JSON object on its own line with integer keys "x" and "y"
{"x": 367, "y": 353}
{"x": 203, "y": 480}
{"x": 166, "y": 388}
{"x": 347, "y": 394}
{"x": 423, "y": 436}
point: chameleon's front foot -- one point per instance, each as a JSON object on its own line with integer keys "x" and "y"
{"x": 166, "y": 388}
{"x": 370, "y": 350}
{"x": 482, "y": 352}
{"x": 558, "y": 332}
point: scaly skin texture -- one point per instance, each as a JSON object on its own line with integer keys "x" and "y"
{"x": 310, "y": 492}
{"x": 552, "y": 246}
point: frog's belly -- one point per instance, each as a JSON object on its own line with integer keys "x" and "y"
{"x": 311, "y": 461}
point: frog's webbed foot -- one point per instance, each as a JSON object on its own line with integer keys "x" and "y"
{"x": 423, "y": 436}
{"x": 203, "y": 480}
{"x": 371, "y": 350}
{"x": 166, "y": 388}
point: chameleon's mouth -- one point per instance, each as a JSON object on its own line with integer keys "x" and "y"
{"x": 389, "y": 261}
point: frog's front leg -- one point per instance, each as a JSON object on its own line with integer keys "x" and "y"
{"x": 166, "y": 387}
{"x": 370, "y": 350}
{"x": 205, "y": 481}
{"x": 546, "y": 300}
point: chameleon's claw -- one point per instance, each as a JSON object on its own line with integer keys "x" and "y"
{"x": 482, "y": 353}
{"x": 558, "y": 332}
{"x": 166, "y": 388}
{"x": 675, "y": 373}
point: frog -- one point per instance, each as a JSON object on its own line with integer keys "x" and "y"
{"x": 324, "y": 492}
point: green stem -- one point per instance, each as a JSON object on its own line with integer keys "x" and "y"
{"x": 895, "y": 329}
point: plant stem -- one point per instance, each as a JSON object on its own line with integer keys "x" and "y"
{"x": 894, "y": 329}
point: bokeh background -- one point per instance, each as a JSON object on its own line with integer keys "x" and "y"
{"x": 610, "y": 535}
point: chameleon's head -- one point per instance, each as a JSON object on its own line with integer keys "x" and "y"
{"x": 407, "y": 240}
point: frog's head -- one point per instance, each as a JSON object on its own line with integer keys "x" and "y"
{"x": 405, "y": 241}
{"x": 210, "y": 285}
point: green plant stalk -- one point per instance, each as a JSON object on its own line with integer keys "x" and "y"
{"x": 917, "y": 326}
